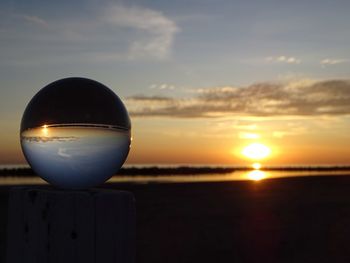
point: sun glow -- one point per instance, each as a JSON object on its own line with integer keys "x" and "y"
{"x": 256, "y": 151}
{"x": 256, "y": 166}
{"x": 45, "y": 130}
{"x": 256, "y": 175}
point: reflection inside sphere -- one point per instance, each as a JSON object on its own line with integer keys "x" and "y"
{"x": 76, "y": 154}
{"x": 75, "y": 133}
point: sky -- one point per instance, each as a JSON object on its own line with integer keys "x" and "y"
{"x": 201, "y": 79}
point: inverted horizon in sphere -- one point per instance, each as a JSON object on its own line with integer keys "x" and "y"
{"x": 70, "y": 144}
{"x": 72, "y": 157}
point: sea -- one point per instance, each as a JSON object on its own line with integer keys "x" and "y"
{"x": 237, "y": 175}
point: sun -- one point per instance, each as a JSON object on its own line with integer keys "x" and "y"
{"x": 256, "y": 151}
{"x": 256, "y": 166}
{"x": 45, "y": 130}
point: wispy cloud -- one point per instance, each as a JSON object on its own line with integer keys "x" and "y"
{"x": 160, "y": 29}
{"x": 33, "y": 19}
{"x": 119, "y": 32}
{"x": 162, "y": 86}
{"x": 249, "y": 136}
{"x": 284, "y": 59}
{"x": 329, "y": 61}
{"x": 302, "y": 98}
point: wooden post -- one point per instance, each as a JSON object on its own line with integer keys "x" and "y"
{"x": 62, "y": 226}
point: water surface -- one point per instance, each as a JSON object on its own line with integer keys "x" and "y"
{"x": 254, "y": 175}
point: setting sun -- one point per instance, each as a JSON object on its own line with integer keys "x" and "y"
{"x": 256, "y": 151}
{"x": 256, "y": 166}
{"x": 45, "y": 130}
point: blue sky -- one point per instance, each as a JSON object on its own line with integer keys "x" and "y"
{"x": 172, "y": 49}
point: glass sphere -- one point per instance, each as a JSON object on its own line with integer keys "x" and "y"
{"x": 75, "y": 133}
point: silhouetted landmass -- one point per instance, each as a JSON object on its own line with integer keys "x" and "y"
{"x": 185, "y": 170}
{"x": 284, "y": 220}
{"x": 17, "y": 172}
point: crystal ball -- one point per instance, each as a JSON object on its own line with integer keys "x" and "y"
{"x": 75, "y": 133}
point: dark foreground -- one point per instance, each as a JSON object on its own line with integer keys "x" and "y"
{"x": 279, "y": 220}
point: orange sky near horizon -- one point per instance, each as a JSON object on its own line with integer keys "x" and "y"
{"x": 293, "y": 140}
{"x": 299, "y": 141}
{"x": 312, "y": 141}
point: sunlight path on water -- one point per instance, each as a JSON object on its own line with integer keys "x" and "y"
{"x": 255, "y": 175}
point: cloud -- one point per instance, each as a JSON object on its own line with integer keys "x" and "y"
{"x": 302, "y": 98}
{"x": 163, "y": 86}
{"x": 246, "y": 135}
{"x": 284, "y": 59}
{"x": 34, "y": 20}
{"x": 160, "y": 29}
{"x": 328, "y": 61}
{"x": 117, "y": 33}
{"x": 63, "y": 153}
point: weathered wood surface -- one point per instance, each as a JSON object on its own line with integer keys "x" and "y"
{"x": 60, "y": 226}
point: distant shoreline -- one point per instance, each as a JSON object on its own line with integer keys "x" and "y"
{"x": 184, "y": 170}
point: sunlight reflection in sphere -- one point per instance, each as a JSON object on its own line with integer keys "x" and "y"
{"x": 75, "y": 133}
